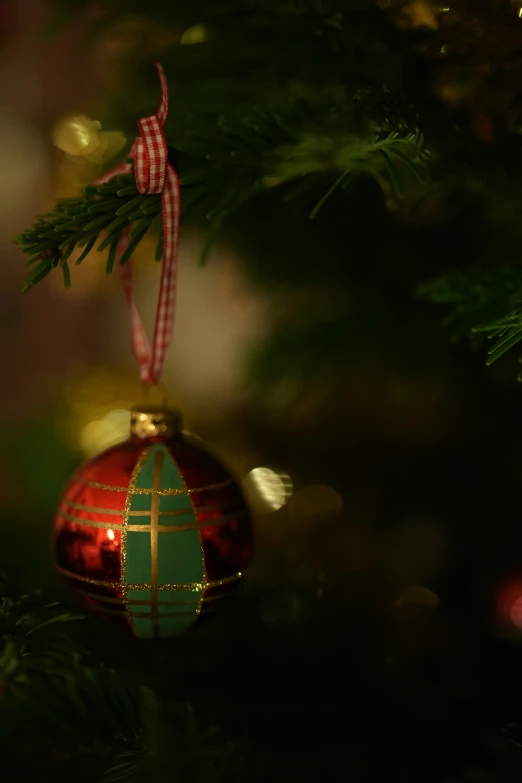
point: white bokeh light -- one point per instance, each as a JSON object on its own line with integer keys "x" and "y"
{"x": 271, "y": 488}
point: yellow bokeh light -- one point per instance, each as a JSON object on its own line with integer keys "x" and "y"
{"x": 194, "y": 35}
{"x": 270, "y": 488}
{"x": 82, "y": 139}
{"x": 107, "y": 431}
{"x": 111, "y": 143}
{"x": 77, "y": 135}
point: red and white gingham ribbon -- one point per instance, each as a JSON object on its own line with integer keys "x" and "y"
{"x": 153, "y": 174}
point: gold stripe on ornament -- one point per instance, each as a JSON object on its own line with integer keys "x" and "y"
{"x": 145, "y": 602}
{"x": 87, "y": 579}
{"x": 104, "y": 598}
{"x": 154, "y": 523}
{"x": 128, "y": 501}
{"x": 161, "y": 615}
{"x": 225, "y": 581}
{"x": 149, "y": 491}
{"x": 178, "y": 513}
{"x": 147, "y": 528}
{"x": 163, "y": 528}
{"x": 211, "y": 598}
{"x": 189, "y": 526}
{"x": 148, "y": 615}
{"x": 202, "y": 552}
{"x": 186, "y": 491}
{"x": 91, "y": 522}
{"x": 93, "y": 509}
{"x": 209, "y": 487}
{"x": 191, "y": 587}
{"x": 97, "y": 485}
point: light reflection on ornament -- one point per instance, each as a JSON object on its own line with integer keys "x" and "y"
{"x": 110, "y": 534}
{"x": 100, "y": 434}
{"x": 273, "y": 489}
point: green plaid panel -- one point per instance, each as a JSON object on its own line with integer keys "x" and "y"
{"x": 180, "y": 560}
{"x": 139, "y": 595}
{"x": 178, "y": 600}
{"x": 170, "y": 475}
{"x": 181, "y": 606}
{"x": 176, "y": 503}
{"x": 140, "y": 503}
{"x": 168, "y": 600}
{"x": 137, "y": 561}
{"x": 145, "y": 477}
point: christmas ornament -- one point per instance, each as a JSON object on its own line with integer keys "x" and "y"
{"x": 154, "y": 532}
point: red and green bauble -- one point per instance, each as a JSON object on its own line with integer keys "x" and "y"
{"x": 153, "y": 533}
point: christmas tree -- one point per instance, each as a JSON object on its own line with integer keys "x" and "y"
{"x": 349, "y": 182}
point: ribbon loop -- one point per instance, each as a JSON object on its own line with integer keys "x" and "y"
{"x": 151, "y": 159}
{"x": 154, "y": 174}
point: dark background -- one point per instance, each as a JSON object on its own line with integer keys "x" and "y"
{"x": 375, "y": 637}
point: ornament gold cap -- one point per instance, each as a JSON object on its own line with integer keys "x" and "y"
{"x": 150, "y": 421}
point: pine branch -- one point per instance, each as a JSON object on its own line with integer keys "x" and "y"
{"x": 26, "y": 646}
{"x": 251, "y": 157}
{"x": 506, "y": 330}
{"x": 271, "y": 130}
{"x": 483, "y": 303}
{"x": 69, "y": 713}
{"x": 48, "y": 692}
{"x": 394, "y": 159}
{"x": 73, "y": 710}
{"x": 79, "y": 222}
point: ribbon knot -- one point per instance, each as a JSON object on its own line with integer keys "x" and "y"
{"x": 153, "y": 174}
{"x": 151, "y": 159}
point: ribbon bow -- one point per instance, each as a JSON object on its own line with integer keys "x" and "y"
{"x": 153, "y": 174}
